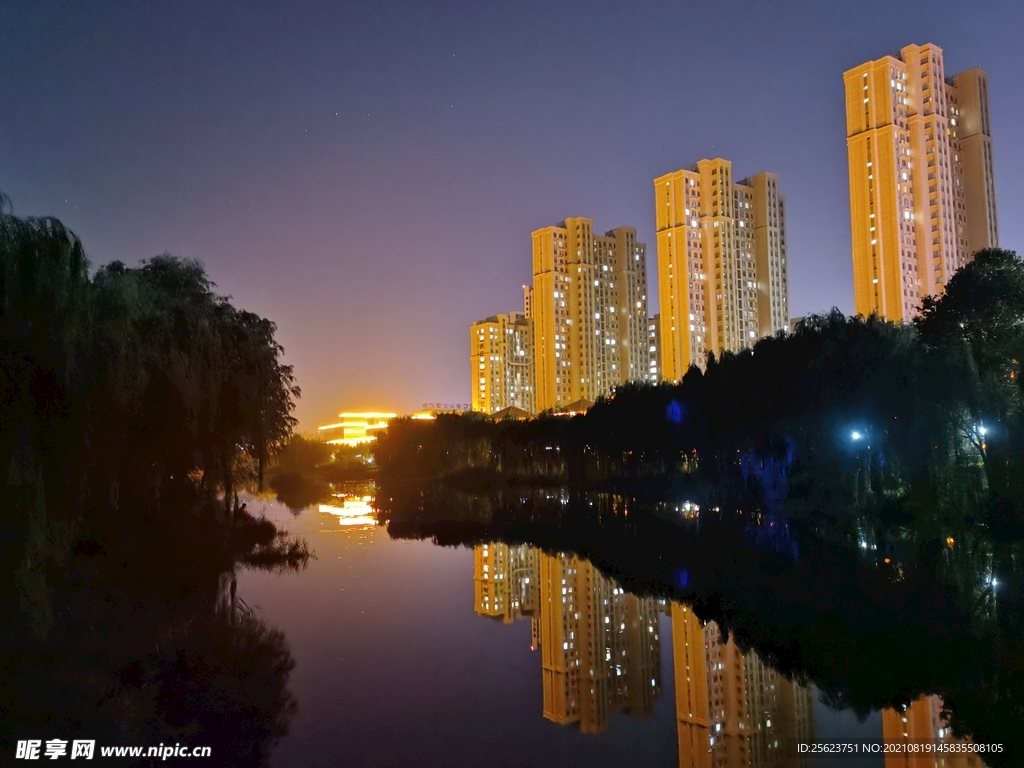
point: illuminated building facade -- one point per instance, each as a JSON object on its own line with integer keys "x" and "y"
{"x": 589, "y": 307}
{"x": 922, "y": 187}
{"x": 501, "y": 363}
{"x": 722, "y": 274}
{"x": 654, "y": 349}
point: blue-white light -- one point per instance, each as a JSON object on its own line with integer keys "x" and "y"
{"x": 855, "y": 435}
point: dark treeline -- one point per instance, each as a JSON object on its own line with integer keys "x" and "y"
{"x": 905, "y": 419}
{"x": 126, "y": 396}
{"x": 134, "y": 403}
{"x": 871, "y": 627}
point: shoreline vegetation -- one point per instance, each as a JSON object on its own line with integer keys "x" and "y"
{"x": 135, "y": 403}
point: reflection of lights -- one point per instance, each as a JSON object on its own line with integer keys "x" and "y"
{"x": 355, "y": 511}
{"x": 688, "y": 509}
{"x": 357, "y": 428}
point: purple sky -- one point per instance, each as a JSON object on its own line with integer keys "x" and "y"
{"x": 367, "y": 174}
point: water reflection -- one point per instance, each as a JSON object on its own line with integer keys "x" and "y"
{"x": 732, "y": 709}
{"x": 920, "y": 721}
{"x": 166, "y": 655}
{"x": 600, "y": 650}
{"x": 600, "y": 646}
{"x": 355, "y": 511}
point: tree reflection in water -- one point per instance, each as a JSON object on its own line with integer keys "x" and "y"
{"x": 889, "y": 622}
{"x": 152, "y": 649}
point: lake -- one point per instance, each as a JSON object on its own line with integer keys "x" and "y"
{"x": 501, "y": 653}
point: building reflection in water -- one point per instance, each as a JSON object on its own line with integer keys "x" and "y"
{"x": 600, "y": 647}
{"x": 922, "y": 720}
{"x": 732, "y": 709}
{"x": 600, "y": 653}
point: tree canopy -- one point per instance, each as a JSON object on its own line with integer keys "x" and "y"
{"x": 122, "y": 389}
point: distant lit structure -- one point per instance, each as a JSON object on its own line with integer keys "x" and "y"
{"x": 722, "y": 276}
{"x": 922, "y": 186}
{"x": 355, "y": 428}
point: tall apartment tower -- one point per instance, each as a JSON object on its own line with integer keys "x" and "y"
{"x": 589, "y": 309}
{"x": 722, "y": 276}
{"x": 922, "y": 189}
{"x": 501, "y": 363}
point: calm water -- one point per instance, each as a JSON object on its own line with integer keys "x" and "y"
{"x": 408, "y": 653}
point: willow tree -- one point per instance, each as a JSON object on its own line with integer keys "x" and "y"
{"x": 118, "y": 388}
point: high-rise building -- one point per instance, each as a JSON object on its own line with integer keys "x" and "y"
{"x": 589, "y": 307}
{"x": 922, "y": 189}
{"x": 722, "y": 275}
{"x": 501, "y": 363}
{"x": 654, "y": 349}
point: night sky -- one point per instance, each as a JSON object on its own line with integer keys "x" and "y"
{"x": 367, "y": 174}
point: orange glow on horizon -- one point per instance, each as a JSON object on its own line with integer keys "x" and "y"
{"x": 357, "y": 428}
